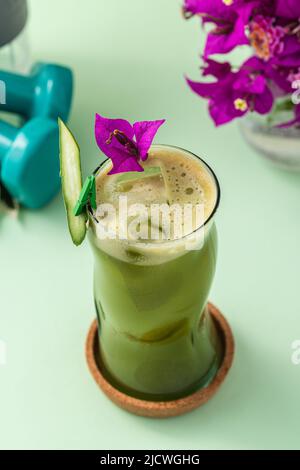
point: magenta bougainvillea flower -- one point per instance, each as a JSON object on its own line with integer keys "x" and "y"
{"x": 229, "y": 17}
{"x": 266, "y": 38}
{"x": 289, "y": 9}
{"x": 290, "y": 56}
{"x": 127, "y": 145}
{"x": 277, "y": 77}
{"x": 271, "y": 28}
{"x": 233, "y": 93}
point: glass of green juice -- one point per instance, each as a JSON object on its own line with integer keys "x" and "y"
{"x": 157, "y": 340}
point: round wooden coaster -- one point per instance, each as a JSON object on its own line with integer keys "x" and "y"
{"x": 164, "y": 409}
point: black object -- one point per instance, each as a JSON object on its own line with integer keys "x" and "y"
{"x": 13, "y": 17}
{"x": 6, "y": 198}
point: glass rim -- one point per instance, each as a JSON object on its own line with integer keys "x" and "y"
{"x": 209, "y": 218}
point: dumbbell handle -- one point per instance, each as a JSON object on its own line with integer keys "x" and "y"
{"x": 8, "y": 134}
{"x": 18, "y": 91}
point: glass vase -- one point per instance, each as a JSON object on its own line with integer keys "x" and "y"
{"x": 281, "y": 146}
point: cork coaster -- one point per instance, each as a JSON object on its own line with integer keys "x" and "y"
{"x": 163, "y": 409}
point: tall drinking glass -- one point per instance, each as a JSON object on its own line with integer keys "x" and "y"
{"x": 157, "y": 340}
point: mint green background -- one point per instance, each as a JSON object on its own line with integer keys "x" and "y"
{"x": 129, "y": 58}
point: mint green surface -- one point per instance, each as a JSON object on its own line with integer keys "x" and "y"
{"x": 129, "y": 58}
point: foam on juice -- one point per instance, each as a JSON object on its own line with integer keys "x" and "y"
{"x": 184, "y": 179}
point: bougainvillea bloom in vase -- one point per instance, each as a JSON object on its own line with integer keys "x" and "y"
{"x": 264, "y": 89}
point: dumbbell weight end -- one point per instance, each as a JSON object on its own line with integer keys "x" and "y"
{"x": 30, "y": 161}
{"x": 47, "y": 92}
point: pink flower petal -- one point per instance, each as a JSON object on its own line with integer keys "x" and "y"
{"x": 145, "y": 132}
{"x": 205, "y": 90}
{"x": 124, "y": 151}
{"x": 216, "y": 69}
{"x": 264, "y": 101}
{"x": 129, "y": 164}
{"x": 288, "y": 9}
{"x": 103, "y": 129}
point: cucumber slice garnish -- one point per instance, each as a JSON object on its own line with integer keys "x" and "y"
{"x": 129, "y": 177}
{"x": 70, "y": 171}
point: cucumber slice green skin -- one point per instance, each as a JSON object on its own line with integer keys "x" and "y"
{"x": 124, "y": 179}
{"x": 138, "y": 175}
{"x": 70, "y": 171}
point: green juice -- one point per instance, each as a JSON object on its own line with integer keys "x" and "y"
{"x": 157, "y": 340}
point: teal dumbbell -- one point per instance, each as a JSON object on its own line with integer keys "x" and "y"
{"x": 29, "y": 163}
{"x": 46, "y": 92}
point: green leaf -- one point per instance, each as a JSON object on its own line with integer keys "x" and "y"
{"x": 285, "y": 105}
